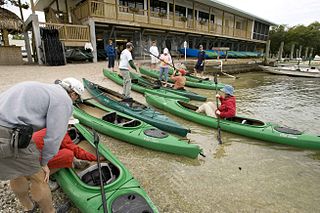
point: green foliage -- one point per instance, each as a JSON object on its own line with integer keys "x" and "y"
{"x": 16, "y": 3}
{"x": 306, "y": 36}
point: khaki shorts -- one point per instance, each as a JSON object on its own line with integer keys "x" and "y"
{"x": 23, "y": 163}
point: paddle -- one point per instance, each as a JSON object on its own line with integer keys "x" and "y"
{"x": 172, "y": 65}
{"x": 226, "y": 74}
{"x": 218, "y": 117}
{"x": 103, "y": 195}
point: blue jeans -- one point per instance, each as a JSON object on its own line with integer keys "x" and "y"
{"x": 111, "y": 61}
{"x": 126, "y": 82}
{"x": 164, "y": 70}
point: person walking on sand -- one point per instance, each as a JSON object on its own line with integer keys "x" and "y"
{"x": 198, "y": 69}
{"x": 125, "y": 61}
{"x": 165, "y": 59}
{"x": 28, "y": 107}
{"x": 154, "y": 52}
{"x": 111, "y": 54}
{"x": 227, "y": 109}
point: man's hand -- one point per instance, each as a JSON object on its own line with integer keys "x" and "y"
{"x": 46, "y": 173}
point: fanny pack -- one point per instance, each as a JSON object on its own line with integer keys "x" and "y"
{"x": 21, "y": 136}
{"x": 12, "y": 139}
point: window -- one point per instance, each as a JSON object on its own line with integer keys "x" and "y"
{"x": 190, "y": 13}
{"x": 212, "y": 19}
{"x": 133, "y": 3}
{"x": 238, "y": 25}
{"x": 203, "y": 16}
{"x": 180, "y": 11}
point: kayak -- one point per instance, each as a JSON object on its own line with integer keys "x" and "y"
{"x": 194, "y": 78}
{"x": 238, "y": 125}
{"x": 196, "y": 84}
{"x": 125, "y": 128}
{"x": 144, "y": 80}
{"x": 116, "y": 101}
{"x": 123, "y": 192}
{"x": 142, "y": 88}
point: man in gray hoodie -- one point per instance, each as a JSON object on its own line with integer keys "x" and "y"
{"x": 33, "y": 106}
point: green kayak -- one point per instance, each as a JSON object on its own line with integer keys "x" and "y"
{"x": 142, "y": 88}
{"x": 116, "y": 101}
{"x": 123, "y": 192}
{"x": 196, "y": 84}
{"x": 238, "y": 125}
{"x": 124, "y": 127}
{"x": 149, "y": 82}
{"x": 194, "y": 78}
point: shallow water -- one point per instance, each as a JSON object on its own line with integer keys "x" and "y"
{"x": 243, "y": 174}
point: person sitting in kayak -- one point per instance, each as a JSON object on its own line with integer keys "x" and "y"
{"x": 227, "y": 108}
{"x": 69, "y": 155}
{"x": 179, "y": 80}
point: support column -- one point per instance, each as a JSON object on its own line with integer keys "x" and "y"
{"x": 266, "y": 55}
{"x": 311, "y": 52}
{"x": 280, "y": 51}
{"x": 37, "y": 37}
{"x": 292, "y": 51}
{"x": 300, "y": 50}
{"x": 306, "y": 53}
{"x": 93, "y": 40}
{"x": 27, "y": 44}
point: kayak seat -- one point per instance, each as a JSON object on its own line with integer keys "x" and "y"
{"x": 110, "y": 117}
{"x": 131, "y": 123}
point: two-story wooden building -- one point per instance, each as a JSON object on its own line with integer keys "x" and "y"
{"x": 169, "y": 22}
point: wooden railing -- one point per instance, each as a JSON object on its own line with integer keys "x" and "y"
{"x": 69, "y": 32}
{"x": 113, "y": 12}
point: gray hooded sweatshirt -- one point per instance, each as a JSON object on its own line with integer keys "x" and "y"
{"x": 41, "y": 106}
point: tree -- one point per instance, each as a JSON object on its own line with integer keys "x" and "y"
{"x": 306, "y": 36}
{"x": 16, "y": 3}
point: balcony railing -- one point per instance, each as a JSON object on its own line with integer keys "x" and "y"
{"x": 113, "y": 12}
{"x": 70, "y": 32}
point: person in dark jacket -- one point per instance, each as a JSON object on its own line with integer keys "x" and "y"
{"x": 111, "y": 54}
{"x": 198, "y": 69}
{"x": 227, "y": 108}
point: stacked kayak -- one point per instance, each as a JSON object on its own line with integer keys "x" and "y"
{"x": 238, "y": 125}
{"x": 116, "y": 101}
{"x": 144, "y": 80}
{"x": 124, "y": 127}
{"x": 142, "y": 88}
{"x": 196, "y": 84}
{"x": 123, "y": 192}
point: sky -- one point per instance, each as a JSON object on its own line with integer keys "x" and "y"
{"x": 290, "y": 12}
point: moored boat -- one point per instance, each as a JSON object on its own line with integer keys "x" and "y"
{"x": 195, "y": 84}
{"x": 123, "y": 192}
{"x": 310, "y": 72}
{"x": 125, "y": 128}
{"x": 116, "y": 101}
{"x": 238, "y": 125}
{"x": 142, "y": 88}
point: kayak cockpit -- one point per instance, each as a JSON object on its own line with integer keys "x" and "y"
{"x": 113, "y": 117}
{"x": 246, "y": 121}
{"x": 90, "y": 173}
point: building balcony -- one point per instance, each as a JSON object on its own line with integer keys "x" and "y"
{"x": 104, "y": 12}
